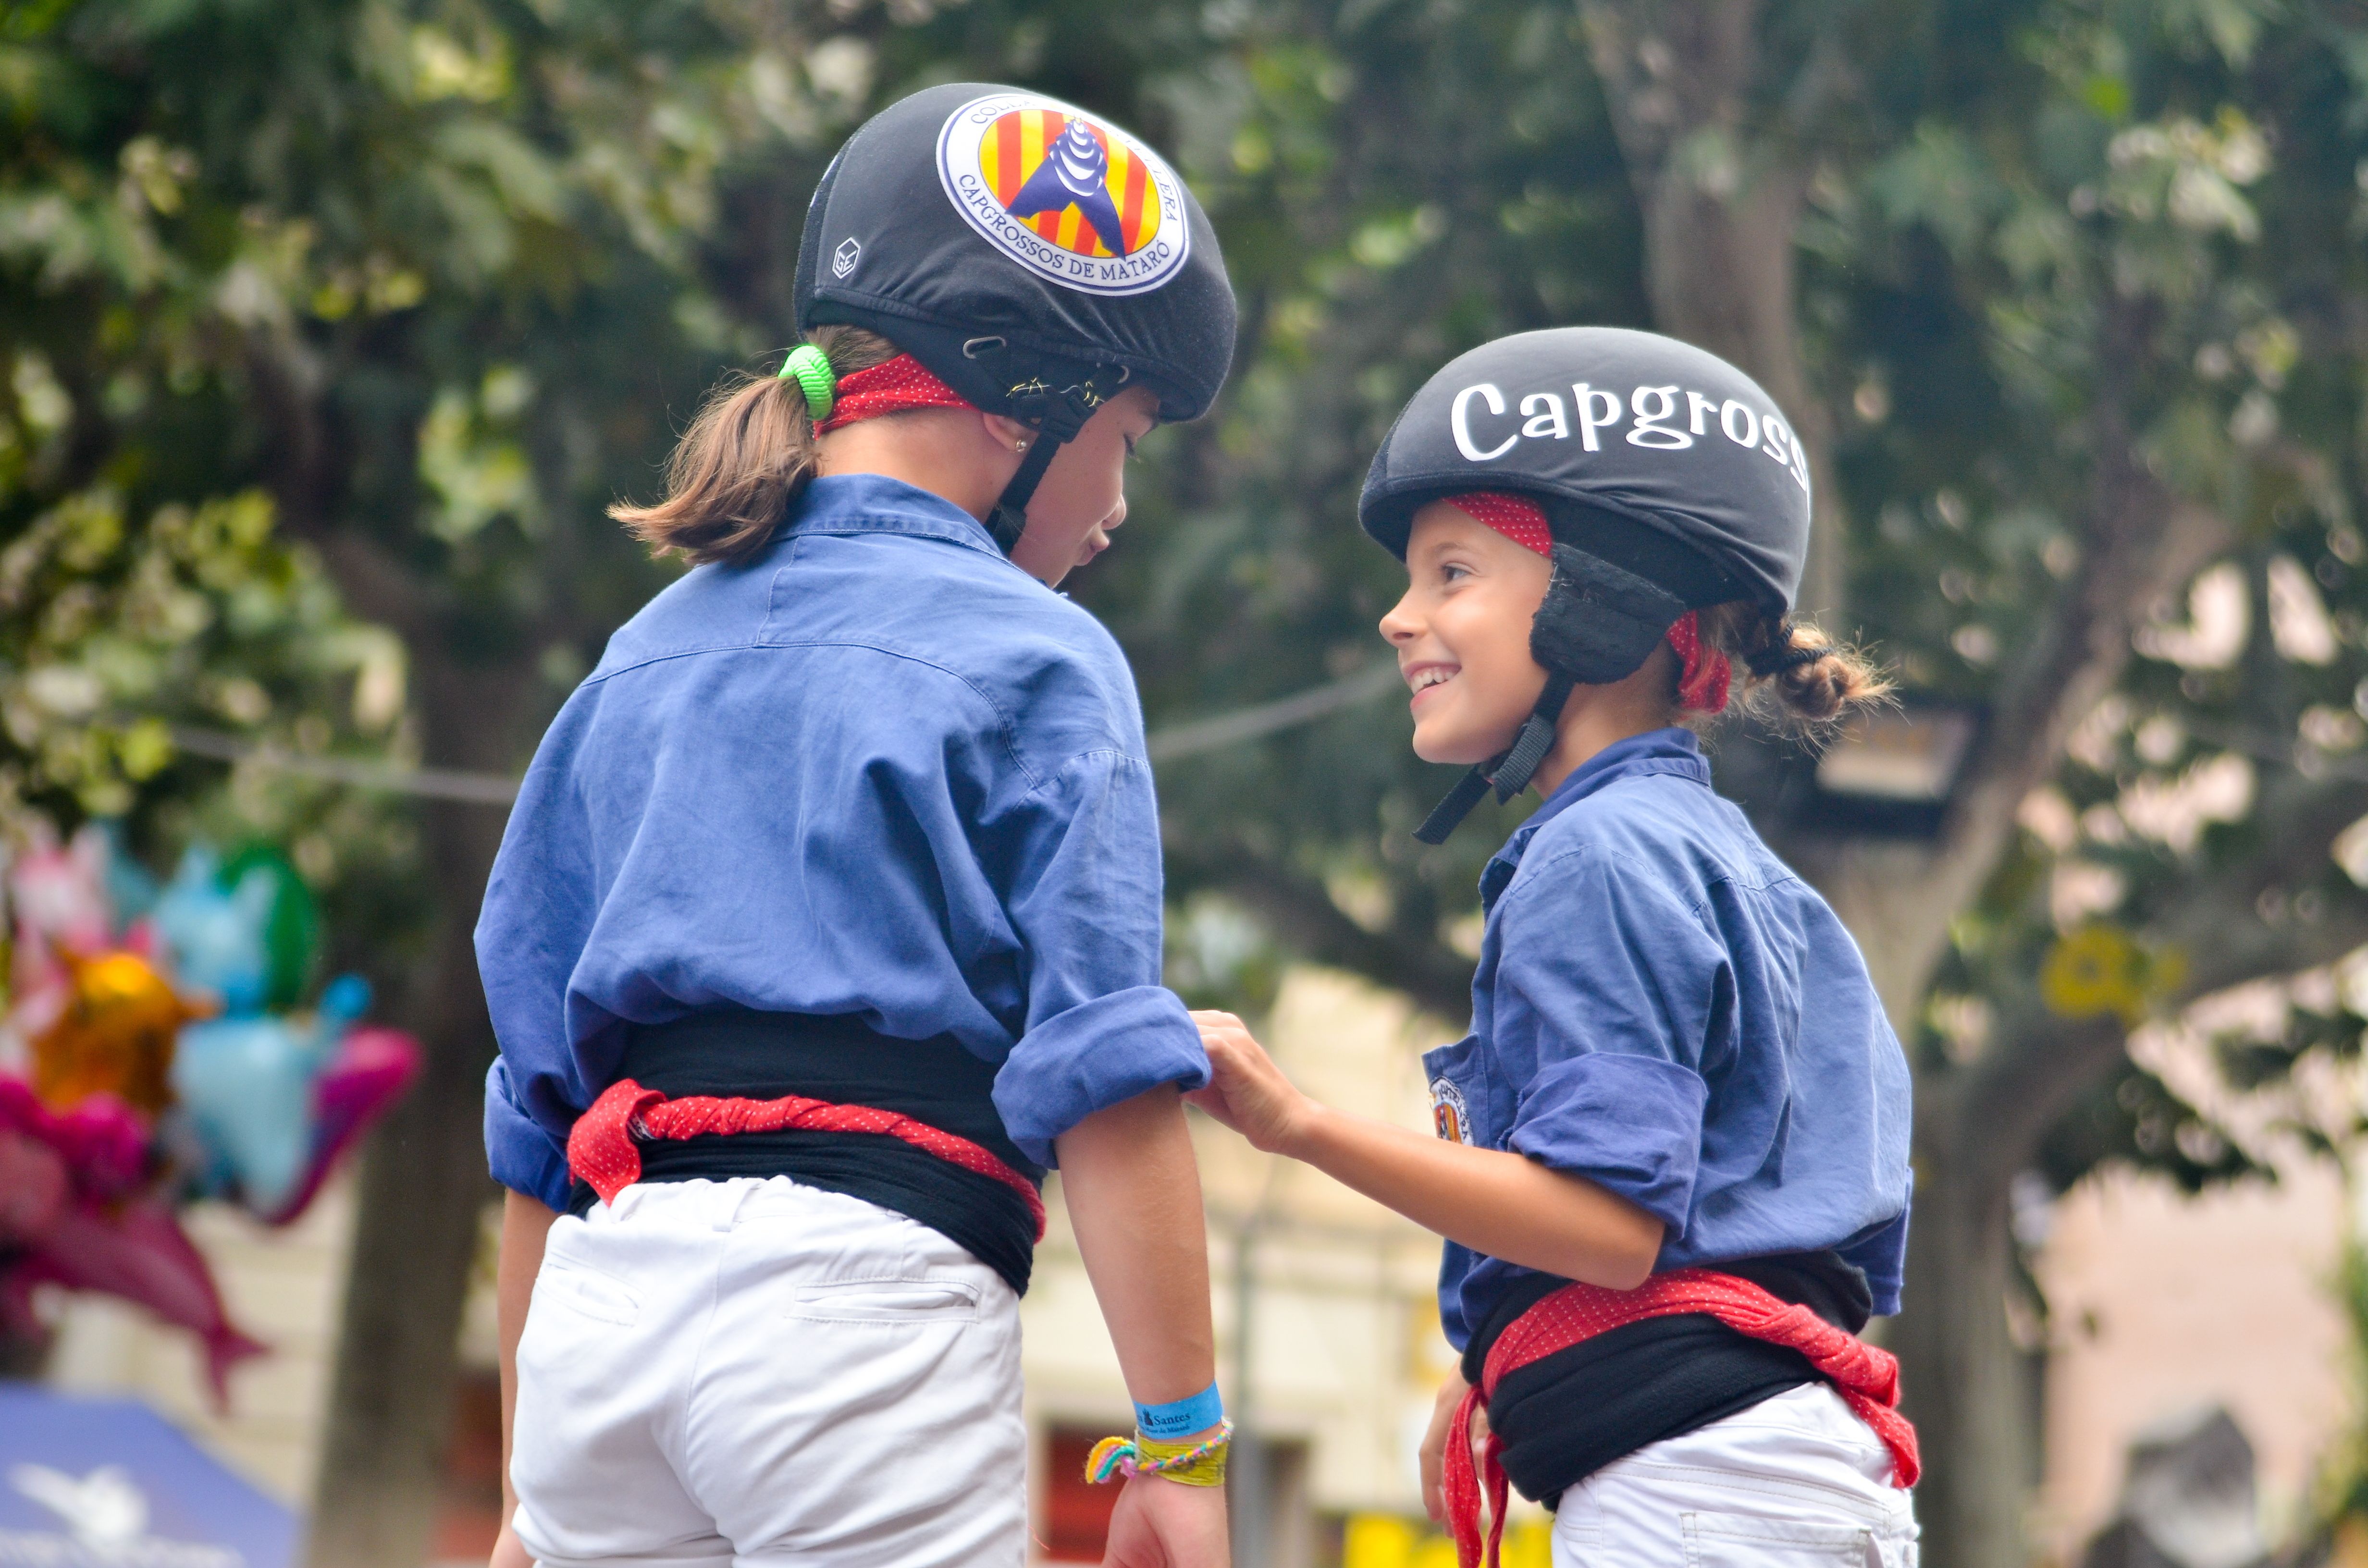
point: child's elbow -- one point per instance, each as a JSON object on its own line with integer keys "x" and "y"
{"x": 1637, "y": 1249}
{"x": 1628, "y": 1273}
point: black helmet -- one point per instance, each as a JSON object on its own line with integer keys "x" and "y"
{"x": 1035, "y": 257}
{"x": 1670, "y": 481}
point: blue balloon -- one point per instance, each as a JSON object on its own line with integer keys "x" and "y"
{"x": 219, "y": 938}
{"x": 247, "y": 1085}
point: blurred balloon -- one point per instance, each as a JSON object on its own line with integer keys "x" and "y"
{"x": 292, "y": 930}
{"x": 140, "y": 1253}
{"x": 34, "y": 1189}
{"x": 66, "y": 1218}
{"x": 102, "y": 1142}
{"x": 58, "y": 901}
{"x": 275, "y": 1100}
{"x": 368, "y": 1074}
{"x": 113, "y": 1035}
{"x": 59, "y": 893}
{"x": 217, "y": 930}
{"x": 247, "y": 1085}
{"x": 94, "y": 1148}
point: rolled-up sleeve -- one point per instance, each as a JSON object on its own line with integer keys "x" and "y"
{"x": 1607, "y": 986}
{"x": 1632, "y": 1124}
{"x": 1084, "y": 899}
{"x": 524, "y": 1155}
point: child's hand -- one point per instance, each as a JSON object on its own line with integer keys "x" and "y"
{"x": 1433, "y": 1461}
{"x": 1163, "y": 1523}
{"x": 1246, "y": 1091}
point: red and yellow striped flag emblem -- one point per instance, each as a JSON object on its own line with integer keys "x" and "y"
{"x": 1015, "y": 143}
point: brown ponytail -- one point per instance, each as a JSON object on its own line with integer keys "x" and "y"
{"x": 746, "y": 457}
{"x": 1806, "y": 676}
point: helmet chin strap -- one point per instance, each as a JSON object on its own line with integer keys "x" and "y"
{"x": 1509, "y": 771}
{"x": 1009, "y": 519}
{"x": 1056, "y": 415}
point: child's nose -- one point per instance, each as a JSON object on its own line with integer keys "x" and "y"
{"x": 1400, "y": 625}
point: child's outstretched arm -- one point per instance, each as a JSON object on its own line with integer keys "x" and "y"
{"x": 1134, "y": 1195}
{"x": 1502, "y": 1204}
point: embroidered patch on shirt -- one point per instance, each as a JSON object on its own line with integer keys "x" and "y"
{"x": 1448, "y": 1114}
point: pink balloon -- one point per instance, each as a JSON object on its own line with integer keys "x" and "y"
{"x": 102, "y": 1142}
{"x": 140, "y": 1253}
{"x": 59, "y": 892}
{"x": 34, "y": 1189}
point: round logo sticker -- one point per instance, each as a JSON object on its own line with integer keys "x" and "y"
{"x": 1074, "y": 200}
{"x": 1448, "y": 1114}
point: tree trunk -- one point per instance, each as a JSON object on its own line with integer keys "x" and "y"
{"x": 1963, "y": 1377}
{"x": 424, "y": 1185}
{"x": 1720, "y": 207}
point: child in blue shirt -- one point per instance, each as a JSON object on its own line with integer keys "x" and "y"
{"x": 829, "y": 915}
{"x": 1671, "y": 1167}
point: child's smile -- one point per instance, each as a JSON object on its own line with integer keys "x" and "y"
{"x": 1424, "y": 677}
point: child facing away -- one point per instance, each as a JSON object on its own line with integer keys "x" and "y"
{"x": 829, "y": 915}
{"x": 1671, "y": 1165}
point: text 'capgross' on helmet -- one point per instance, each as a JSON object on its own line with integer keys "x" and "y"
{"x": 1616, "y": 432}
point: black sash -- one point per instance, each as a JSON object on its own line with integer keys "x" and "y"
{"x": 1566, "y": 1415}
{"x": 760, "y": 1056}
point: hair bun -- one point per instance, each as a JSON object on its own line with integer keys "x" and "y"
{"x": 1776, "y": 661}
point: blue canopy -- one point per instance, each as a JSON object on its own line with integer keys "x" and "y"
{"x": 109, "y": 1483}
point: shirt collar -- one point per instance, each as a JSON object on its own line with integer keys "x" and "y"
{"x": 1672, "y": 750}
{"x": 873, "y": 503}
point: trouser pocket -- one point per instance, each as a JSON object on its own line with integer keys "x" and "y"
{"x": 1742, "y": 1541}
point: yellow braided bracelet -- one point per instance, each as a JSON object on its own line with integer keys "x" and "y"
{"x": 1193, "y": 1464}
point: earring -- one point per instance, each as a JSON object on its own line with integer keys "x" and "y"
{"x": 1019, "y": 446}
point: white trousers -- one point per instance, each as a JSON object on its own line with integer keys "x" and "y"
{"x": 755, "y": 1372}
{"x": 1796, "y": 1482}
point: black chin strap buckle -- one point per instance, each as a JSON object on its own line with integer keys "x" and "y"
{"x": 1508, "y": 773}
{"x": 1056, "y": 415}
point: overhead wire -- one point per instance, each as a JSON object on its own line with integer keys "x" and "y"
{"x": 1188, "y": 739}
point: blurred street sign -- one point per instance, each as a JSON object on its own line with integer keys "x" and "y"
{"x": 110, "y": 1484}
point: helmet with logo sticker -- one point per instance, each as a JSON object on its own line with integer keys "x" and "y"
{"x": 1032, "y": 256}
{"x": 1670, "y": 481}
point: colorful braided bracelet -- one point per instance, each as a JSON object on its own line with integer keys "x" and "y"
{"x": 1193, "y": 1464}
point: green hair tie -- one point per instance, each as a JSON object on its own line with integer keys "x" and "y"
{"x": 810, "y": 367}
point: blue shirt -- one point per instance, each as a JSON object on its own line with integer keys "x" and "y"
{"x": 879, "y": 770}
{"x": 1664, "y": 1009}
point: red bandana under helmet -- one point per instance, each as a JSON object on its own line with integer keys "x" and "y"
{"x": 1702, "y": 686}
{"x": 901, "y": 383}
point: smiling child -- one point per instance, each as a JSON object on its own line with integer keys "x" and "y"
{"x": 1671, "y": 1167}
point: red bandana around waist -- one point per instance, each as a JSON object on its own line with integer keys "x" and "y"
{"x": 889, "y": 387}
{"x": 1866, "y": 1378}
{"x": 1702, "y": 686}
{"x": 600, "y": 1150}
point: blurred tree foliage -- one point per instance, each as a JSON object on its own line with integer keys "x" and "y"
{"x": 330, "y": 329}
